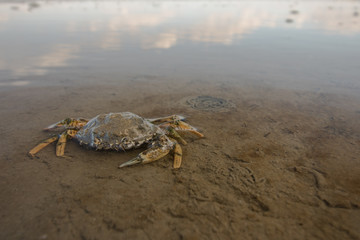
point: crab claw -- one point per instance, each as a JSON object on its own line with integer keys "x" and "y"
{"x": 67, "y": 123}
{"x": 61, "y": 125}
{"x": 147, "y": 156}
{"x": 171, "y": 118}
{"x": 133, "y": 161}
{"x": 54, "y": 127}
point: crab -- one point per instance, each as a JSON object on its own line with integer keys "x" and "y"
{"x": 121, "y": 132}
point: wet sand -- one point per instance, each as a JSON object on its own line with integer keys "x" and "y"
{"x": 279, "y": 164}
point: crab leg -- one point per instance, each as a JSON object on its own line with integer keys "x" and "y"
{"x": 171, "y": 118}
{"x": 60, "y": 146}
{"x": 41, "y": 145}
{"x": 173, "y": 133}
{"x": 182, "y": 126}
{"x": 177, "y": 155}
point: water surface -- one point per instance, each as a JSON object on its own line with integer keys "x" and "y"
{"x": 312, "y": 45}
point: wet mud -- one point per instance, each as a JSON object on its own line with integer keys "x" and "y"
{"x": 278, "y": 164}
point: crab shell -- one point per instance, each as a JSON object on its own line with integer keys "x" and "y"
{"x": 118, "y": 131}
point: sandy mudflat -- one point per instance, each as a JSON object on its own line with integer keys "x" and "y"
{"x": 280, "y": 164}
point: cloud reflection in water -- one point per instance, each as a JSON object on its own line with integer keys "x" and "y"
{"x": 69, "y": 29}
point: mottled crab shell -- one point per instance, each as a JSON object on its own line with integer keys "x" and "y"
{"x": 118, "y": 131}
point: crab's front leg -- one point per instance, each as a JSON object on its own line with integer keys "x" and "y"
{"x": 158, "y": 149}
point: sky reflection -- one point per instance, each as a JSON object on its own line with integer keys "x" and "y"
{"x": 37, "y": 37}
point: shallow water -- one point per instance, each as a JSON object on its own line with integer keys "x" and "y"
{"x": 273, "y": 85}
{"x": 293, "y": 44}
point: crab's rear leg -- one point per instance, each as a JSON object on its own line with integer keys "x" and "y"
{"x": 42, "y": 145}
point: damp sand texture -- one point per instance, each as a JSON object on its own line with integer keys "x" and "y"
{"x": 266, "y": 169}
